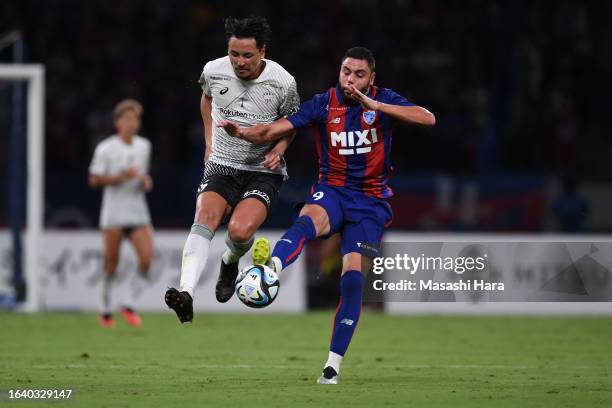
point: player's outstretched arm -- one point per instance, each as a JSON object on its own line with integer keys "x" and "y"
{"x": 409, "y": 114}
{"x": 259, "y": 133}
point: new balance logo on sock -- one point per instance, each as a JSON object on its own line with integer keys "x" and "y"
{"x": 286, "y": 240}
{"x": 348, "y": 322}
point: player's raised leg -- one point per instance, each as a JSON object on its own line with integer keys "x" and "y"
{"x": 315, "y": 220}
{"x": 210, "y": 210}
{"x": 142, "y": 240}
{"x": 247, "y": 217}
{"x": 347, "y": 316}
{"x": 112, "y": 242}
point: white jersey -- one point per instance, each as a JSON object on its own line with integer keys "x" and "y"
{"x": 123, "y": 204}
{"x": 262, "y": 100}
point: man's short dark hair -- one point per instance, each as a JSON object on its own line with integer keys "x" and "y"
{"x": 250, "y": 27}
{"x": 361, "y": 53}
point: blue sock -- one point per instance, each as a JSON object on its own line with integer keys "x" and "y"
{"x": 347, "y": 315}
{"x": 290, "y": 245}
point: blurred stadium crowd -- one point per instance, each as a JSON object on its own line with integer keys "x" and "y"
{"x": 520, "y": 91}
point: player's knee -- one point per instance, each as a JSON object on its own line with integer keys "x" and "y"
{"x": 209, "y": 217}
{"x": 319, "y": 218}
{"x": 240, "y": 231}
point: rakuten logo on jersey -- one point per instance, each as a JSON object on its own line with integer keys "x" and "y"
{"x": 359, "y": 139}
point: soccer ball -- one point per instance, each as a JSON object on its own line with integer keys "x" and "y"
{"x": 257, "y": 286}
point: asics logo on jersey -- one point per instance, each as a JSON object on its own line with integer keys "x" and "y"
{"x": 355, "y": 139}
{"x": 224, "y": 91}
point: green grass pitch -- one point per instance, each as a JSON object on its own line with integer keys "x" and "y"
{"x": 273, "y": 361}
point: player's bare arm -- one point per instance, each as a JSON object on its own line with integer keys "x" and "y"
{"x": 96, "y": 180}
{"x": 206, "y": 112}
{"x": 274, "y": 158}
{"x": 409, "y": 114}
{"x": 259, "y": 133}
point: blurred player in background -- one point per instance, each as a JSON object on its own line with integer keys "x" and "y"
{"x": 353, "y": 122}
{"x": 121, "y": 167}
{"x": 241, "y": 180}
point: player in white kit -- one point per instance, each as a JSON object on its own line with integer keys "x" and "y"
{"x": 120, "y": 166}
{"x": 241, "y": 180}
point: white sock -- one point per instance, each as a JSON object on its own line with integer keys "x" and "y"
{"x": 195, "y": 254}
{"x": 104, "y": 301}
{"x": 276, "y": 264}
{"x": 235, "y": 250}
{"x": 334, "y": 360}
{"x": 138, "y": 283}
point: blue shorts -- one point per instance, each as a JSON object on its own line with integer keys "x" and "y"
{"x": 360, "y": 219}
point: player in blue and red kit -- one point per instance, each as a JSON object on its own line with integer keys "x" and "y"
{"x": 353, "y": 122}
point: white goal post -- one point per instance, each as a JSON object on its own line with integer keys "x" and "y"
{"x": 34, "y": 75}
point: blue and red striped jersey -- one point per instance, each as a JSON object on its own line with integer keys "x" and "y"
{"x": 353, "y": 145}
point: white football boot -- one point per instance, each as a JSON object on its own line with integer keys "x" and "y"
{"x": 329, "y": 376}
